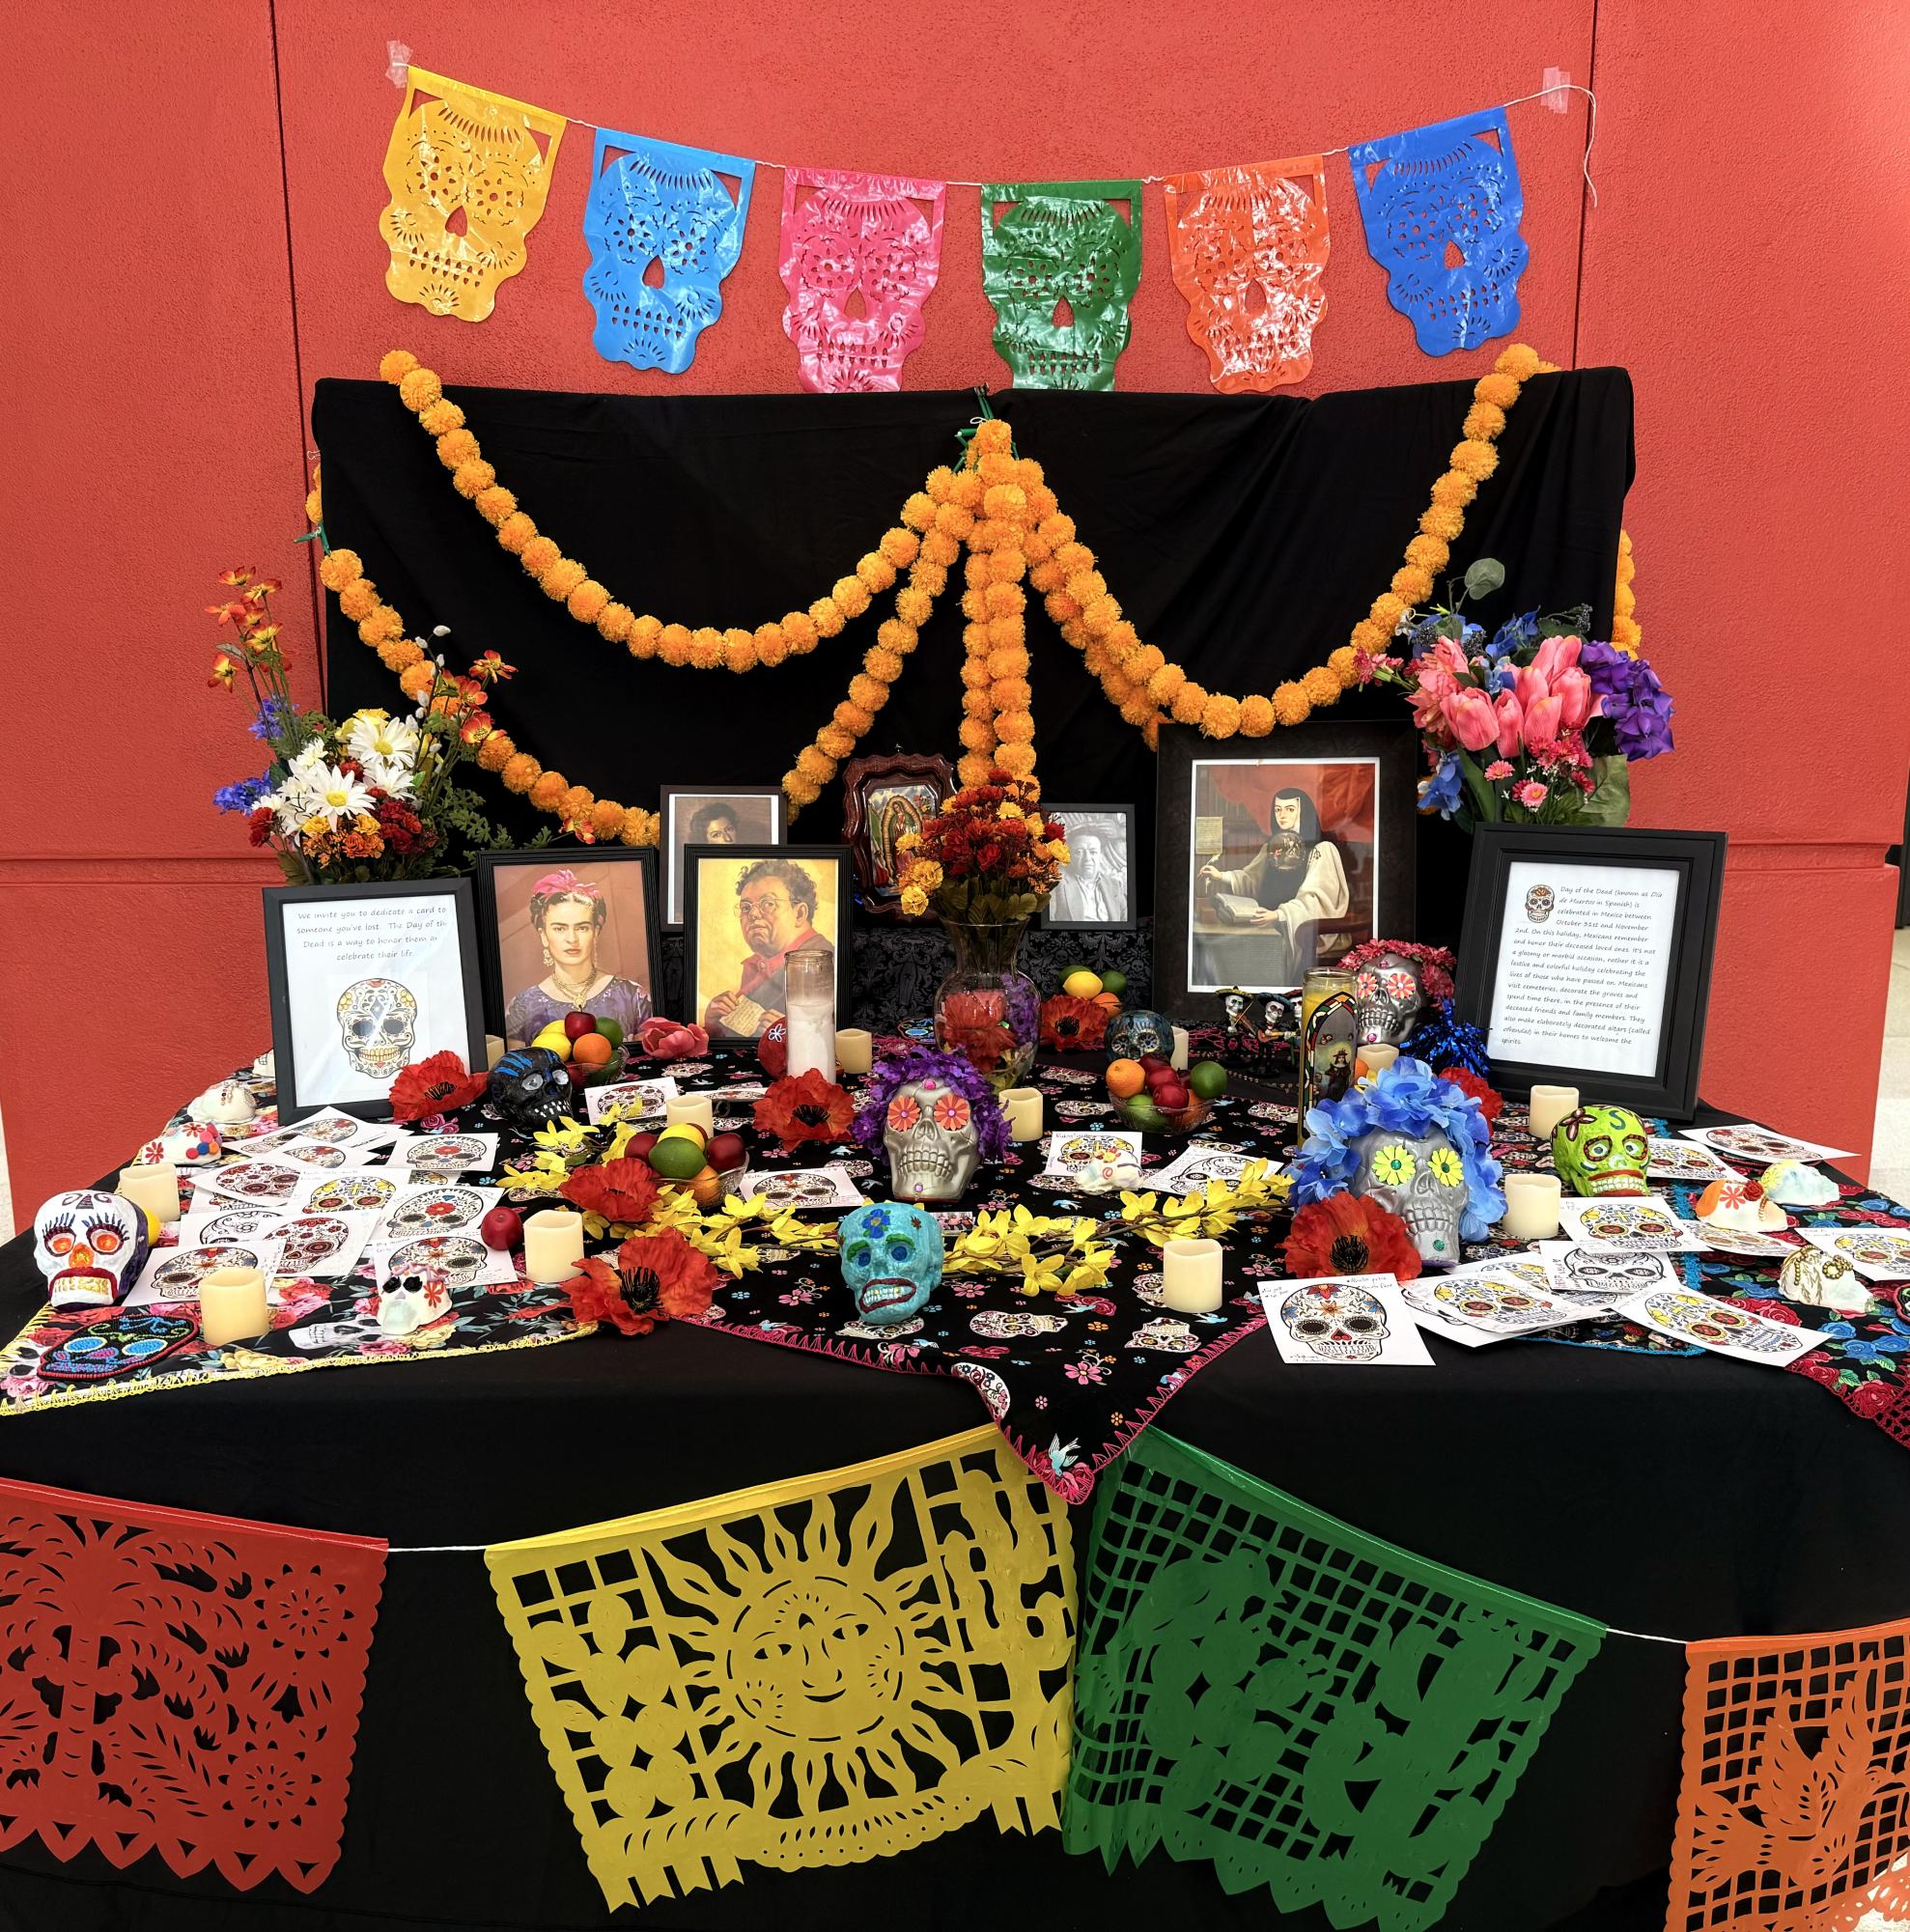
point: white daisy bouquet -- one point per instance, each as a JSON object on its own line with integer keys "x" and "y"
{"x": 372, "y": 795}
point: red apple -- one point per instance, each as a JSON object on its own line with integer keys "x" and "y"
{"x": 578, "y": 1072}
{"x": 502, "y": 1227}
{"x": 1170, "y": 1099}
{"x": 577, "y": 1025}
{"x": 1154, "y": 1063}
{"x": 727, "y": 1151}
{"x": 639, "y": 1145}
{"x": 1162, "y": 1076}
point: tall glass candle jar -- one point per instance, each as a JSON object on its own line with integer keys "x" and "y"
{"x": 1329, "y": 1039}
{"x": 811, "y": 1013}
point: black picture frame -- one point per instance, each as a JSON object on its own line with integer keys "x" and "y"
{"x": 837, "y": 856}
{"x": 1697, "y": 857}
{"x": 1391, "y": 885}
{"x": 484, "y": 879}
{"x": 1126, "y": 814}
{"x": 281, "y": 993}
{"x": 671, "y": 853}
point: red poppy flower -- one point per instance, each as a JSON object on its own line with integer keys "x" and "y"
{"x": 620, "y": 1190}
{"x": 651, "y": 1278}
{"x": 1492, "y": 1104}
{"x": 808, "y": 1107}
{"x": 1071, "y": 1025}
{"x": 436, "y": 1085}
{"x": 1347, "y": 1234}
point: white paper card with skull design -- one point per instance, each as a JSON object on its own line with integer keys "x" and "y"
{"x": 1745, "y": 1140}
{"x": 1723, "y": 1327}
{"x": 1488, "y": 1302}
{"x": 252, "y": 1184}
{"x": 1673, "y": 1157}
{"x": 1196, "y": 1166}
{"x": 174, "y": 1273}
{"x": 1877, "y": 1253}
{"x": 352, "y": 1190}
{"x": 830, "y": 1185}
{"x": 439, "y": 1207}
{"x": 445, "y": 1153}
{"x": 1096, "y": 1153}
{"x": 1644, "y": 1223}
{"x": 632, "y": 1100}
{"x": 458, "y": 1260}
{"x": 1595, "y": 1280}
{"x": 324, "y": 1246}
{"x": 1343, "y": 1320}
{"x": 327, "y": 1128}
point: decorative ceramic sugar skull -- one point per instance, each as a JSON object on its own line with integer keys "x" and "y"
{"x": 377, "y": 1019}
{"x": 531, "y": 1088}
{"x": 408, "y": 1302}
{"x": 1819, "y": 1280}
{"x": 933, "y": 1142}
{"x": 1335, "y": 1320}
{"x": 1420, "y": 1177}
{"x": 1130, "y": 1035}
{"x": 89, "y": 1247}
{"x": 1601, "y": 1150}
{"x": 194, "y": 1146}
{"x": 224, "y": 1103}
{"x": 859, "y": 257}
{"x": 1389, "y": 994}
{"x": 891, "y": 1259}
{"x": 1793, "y": 1185}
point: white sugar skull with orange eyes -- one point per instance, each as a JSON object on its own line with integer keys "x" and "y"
{"x": 933, "y": 1142}
{"x": 89, "y": 1247}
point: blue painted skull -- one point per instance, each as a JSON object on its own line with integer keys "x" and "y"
{"x": 891, "y": 1259}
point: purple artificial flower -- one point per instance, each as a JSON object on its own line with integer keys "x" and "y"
{"x": 1630, "y": 699}
{"x": 897, "y": 1071}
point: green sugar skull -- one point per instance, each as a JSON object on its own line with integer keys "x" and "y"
{"x": 1601, "y": 1150}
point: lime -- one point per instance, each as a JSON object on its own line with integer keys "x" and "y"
{"x": 1116, "y": 983}
{"x": 612, "y": 1030}
{"x": 1141, "y": 1113}
{"x": 1208, "y": 1080}
{"x": 677, "y": 1160}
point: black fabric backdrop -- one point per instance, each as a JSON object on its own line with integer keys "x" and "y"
{"x": 1244, "y": 536}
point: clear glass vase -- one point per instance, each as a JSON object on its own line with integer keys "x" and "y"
{"x": 987, "y": 1009}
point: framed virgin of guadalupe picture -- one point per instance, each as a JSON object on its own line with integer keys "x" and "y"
{"x": 1273, "y": 861}
{"x": 882, "y": 800}
{"x": 365, "y": 980}
{"x": 1585, "y": 959}
{"x": 568, "y": 932}
{"x": 746, "y": 909}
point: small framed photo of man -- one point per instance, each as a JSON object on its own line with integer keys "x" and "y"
{"x": 568, "y": 932}
{"x": 708, "y": 815}
{"x": 1097, "y": 888}
{"x": 365, "y": 980}
{"x": 745, "y": 910}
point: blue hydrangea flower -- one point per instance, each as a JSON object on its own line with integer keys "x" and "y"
{"x": 1440, "y": 792}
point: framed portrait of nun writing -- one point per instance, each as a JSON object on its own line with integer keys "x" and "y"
{"x": 568, "y": 931}
{"x": 364, "y": 981}
{"x": 1273, "y": 860}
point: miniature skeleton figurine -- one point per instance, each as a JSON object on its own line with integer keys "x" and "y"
{"x": 377, "y": 1021}
{"x": 1336, "y": 1321}
{"x": 933, "y": 1144}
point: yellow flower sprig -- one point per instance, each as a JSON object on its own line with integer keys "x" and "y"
{"x": 1053, "y": 1253}
{"x": 733, "y": 1235}
{"x": 1208, "y": 1211}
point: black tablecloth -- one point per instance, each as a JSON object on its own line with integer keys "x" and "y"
{"x": 1691, "y": 1497}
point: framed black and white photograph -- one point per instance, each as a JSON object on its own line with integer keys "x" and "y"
{"x": 713, "y": 815}
{"x": 568, "y": 932}
{"x": 746, "y": 909}
{"x": 364, "y": 980}
{"x": 1097, "y": 888}
{"x": 1585, "y": 959}
{"x": 1270, "y": 862}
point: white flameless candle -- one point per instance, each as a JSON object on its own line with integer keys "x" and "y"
{"x": 553, "y": 1246}
{"x": 1178, "y": 1058}
{"x": 1191, "y": 1276}
{"x": 1532, "y": 1207}
{"x": 855, "y": 1049}
{"x": 1549, "y": 1106}
{"x": 493, "y": 1050}
{"x": 232, "y": 1306}
{"x": 153, "y": 1186}
{"x": 1378, "y": 1057}
{"x": 698, "y": 1109}
{"x": 1023, "y": 1106}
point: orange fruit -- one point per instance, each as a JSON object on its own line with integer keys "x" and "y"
{"x": 1109, "y": 1002}
{"x": 707, "y": 1189}
{"x": 591, "y": 1049}
{"x": 1126, "y": 1079}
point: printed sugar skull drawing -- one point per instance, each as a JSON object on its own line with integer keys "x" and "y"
{"x": 377, "y": 1022}
{"x": 177, "y": 1277}
{"x": 1335, "y": 1321}
{"x": 1633, "y": 1224}
{"x": 454, "y": 1259}
{"x": 259, "y": 1180}
{"x": 1707, "y": 1321}
{"x": 433, "y": 1210}
{"x": 311, "y": 1240}
{"x": 350, "y": 1192}
{"x": 1539, "y": 902}
{"x": 1597, "y": 1277}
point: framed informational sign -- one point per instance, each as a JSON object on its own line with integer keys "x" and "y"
{"x": 1586, "y": 958}
{"x": 365, "y": 980}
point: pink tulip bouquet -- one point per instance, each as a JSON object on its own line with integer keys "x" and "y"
{"x": 1535, "y": 724}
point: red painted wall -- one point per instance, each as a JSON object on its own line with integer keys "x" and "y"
{"x": 158, "y": 437}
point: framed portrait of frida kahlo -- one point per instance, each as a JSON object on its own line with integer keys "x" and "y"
{"x": 745, "y": 910}
{"x": 568, "y": 932}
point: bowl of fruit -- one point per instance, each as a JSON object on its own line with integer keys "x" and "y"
{"x": 1156, "y": 1097}
{"x": 590, "y": 1048}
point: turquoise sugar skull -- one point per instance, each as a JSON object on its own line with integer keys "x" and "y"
{"x": 891, "y": 1259}
{"x": 1601, "y": 1150}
